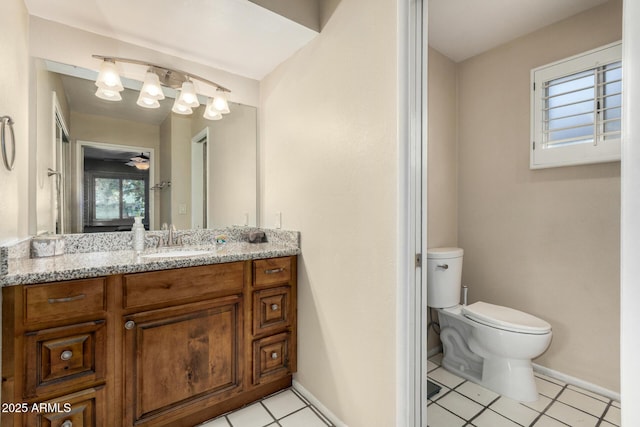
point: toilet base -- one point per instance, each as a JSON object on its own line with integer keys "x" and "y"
{"x": 511, "y": 378}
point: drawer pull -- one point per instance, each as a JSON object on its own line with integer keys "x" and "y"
{"x": 274, "y": 355}
{"x": 66, "y": 423}
{"x": 66, "y": 299}
{"x": 274, "y": 270}
{"x": 66, "y": 355}
{"x": 130, "y": 325}
{"x": 274, "y": 307}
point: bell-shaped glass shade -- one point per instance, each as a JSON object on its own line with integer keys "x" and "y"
{"x": 210, "y": 113}
{"x": 151, "y": 87}
{"x": 188, "y": 95}
{"x": 180, "y": 108}
{"x": 108, "y": 95}
{"x": 108, "y": 77}
{"x": 147, "y": 102}
{"x": 220, "y": 102}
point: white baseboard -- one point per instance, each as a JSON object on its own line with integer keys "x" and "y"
{"x": 315, "y": 402}
{"x": 577, "y": 382}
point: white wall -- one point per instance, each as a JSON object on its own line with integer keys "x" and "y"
{"x": 630, "y": 274}
{"x": 329, "y": 165}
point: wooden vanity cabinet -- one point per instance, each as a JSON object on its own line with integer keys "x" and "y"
{"x": 163, "y": 348}
{"x": 54, "y": 354}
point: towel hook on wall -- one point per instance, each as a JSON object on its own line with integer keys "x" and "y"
{"x": 6, "y": 120}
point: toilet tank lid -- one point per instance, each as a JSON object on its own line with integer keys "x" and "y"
{"x": 505, "y": 318}
{"x": 437, "y": 253}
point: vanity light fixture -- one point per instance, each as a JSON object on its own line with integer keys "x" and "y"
{"x": 151, "y": 92}
{"x": 110, "y": 86}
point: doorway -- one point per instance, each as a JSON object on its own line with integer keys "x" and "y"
{"x": 113, "y": 185}
{"x": 199, "y": 179}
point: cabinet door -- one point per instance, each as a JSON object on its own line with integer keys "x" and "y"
{"x": 181, "y": 357}
{"x": 63, "y": 358}
{"x": 82, "y": 409}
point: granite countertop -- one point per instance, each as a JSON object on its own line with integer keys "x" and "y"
{"x": 22, "y": 271}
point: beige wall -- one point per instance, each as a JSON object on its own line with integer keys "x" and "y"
{"x": 543, "y": 241}
{"x": 232, "y": 155}
{"x": 329, "y": 164}
{"x": 14, "y": 94}
{"x": 108, "y": 130}
{"x": 442, "y": 166}
{"x": 47, "y": 84}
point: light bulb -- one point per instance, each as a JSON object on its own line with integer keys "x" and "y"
{"x": 210, "y": 113}
{"x": 151, "y": 87}
{"x": 180, "y": 108}
{"x": 108, "y": 78}
{"x": 188, "y": 95}
{"x": 220, "y": 102}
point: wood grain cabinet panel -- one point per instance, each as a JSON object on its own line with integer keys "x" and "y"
{"x": 65, "y": 357}
{"x": 181, "y": 355}
{"x": 64, "y": 300}
{"x": 268, "y": 272}
{"x": 172, "y": 286}
{"x": 271, "y": 310}
{"x": 271, "y": 357}
{"x": 83, "y": 409}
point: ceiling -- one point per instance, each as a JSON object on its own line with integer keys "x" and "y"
{"x": 460, "y": 29}
{"x": 237, "y": 36}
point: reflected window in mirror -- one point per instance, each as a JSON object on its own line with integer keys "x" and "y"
{"x": 113, "y": 199}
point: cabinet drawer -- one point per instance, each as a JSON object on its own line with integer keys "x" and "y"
{"x": 272, "y": 271}
{"x": 271, "y": 310}
{"x": 65, "y": 357}
{"x": 158, "y": 287}
{"x": 271, "y": 357}
{"x": 64, "y": 300}
{"x": 82, "y": 409}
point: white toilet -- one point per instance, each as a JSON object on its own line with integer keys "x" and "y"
{"x": 484, "y": 343}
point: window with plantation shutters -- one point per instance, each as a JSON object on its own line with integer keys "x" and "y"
{"x": 576, "y": 109}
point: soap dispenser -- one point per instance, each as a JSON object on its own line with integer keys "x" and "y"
{"x": 138, "y": 234}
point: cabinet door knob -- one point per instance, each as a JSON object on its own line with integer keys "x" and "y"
{"x": 274, "y": 355}
{"x": 66, "y": 355}
{"x": 274, "y": 307}
{"x": 66, "y": 423}
{"x": 130, "y": 324}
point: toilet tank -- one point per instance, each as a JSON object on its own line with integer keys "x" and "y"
{"x": 444, "y": 275}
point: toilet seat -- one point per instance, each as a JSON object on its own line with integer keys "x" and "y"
{"x": 505, "y": 318}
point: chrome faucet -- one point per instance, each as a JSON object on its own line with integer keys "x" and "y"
{"x": 169, "y": 240}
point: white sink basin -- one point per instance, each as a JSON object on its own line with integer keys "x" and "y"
{"x": 176, "y": 254}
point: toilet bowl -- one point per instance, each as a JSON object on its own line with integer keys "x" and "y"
{"x": 484, "y": 343}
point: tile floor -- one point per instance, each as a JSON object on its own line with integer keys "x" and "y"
{"x": 463, "y": 403}
{"x": 285, "y": 408}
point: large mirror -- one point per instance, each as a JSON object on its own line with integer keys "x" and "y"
{"x": 115, "y": 160}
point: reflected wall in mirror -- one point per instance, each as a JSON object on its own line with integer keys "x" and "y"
{"x": 200, "y": 173}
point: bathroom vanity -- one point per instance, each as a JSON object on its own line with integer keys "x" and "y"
{"x": 151, "y": 347}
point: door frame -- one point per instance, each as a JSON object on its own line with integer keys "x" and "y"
{"x": 411, "y": 304}
{"x": 81, "y": 191}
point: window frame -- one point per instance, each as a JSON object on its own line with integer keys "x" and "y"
{"x": 578, "y": 154}
{"x": 91, "y": 221}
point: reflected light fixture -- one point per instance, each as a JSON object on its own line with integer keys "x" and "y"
{"x": 151, "y": 93}
{"x": 140, "y": 162}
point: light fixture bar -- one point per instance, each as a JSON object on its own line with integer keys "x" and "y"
{"x": 173, "y": 78}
